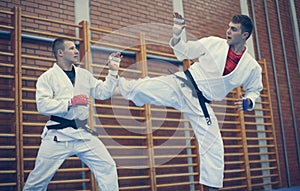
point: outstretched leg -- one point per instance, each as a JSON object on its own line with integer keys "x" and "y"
{"x": 161, "y": 91}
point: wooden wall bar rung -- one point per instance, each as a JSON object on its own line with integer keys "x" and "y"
{"x": 69, "y": 181}
{"x": 240, "y": 187}
{"x": 133, "y": 177}
{"x": 259, "y": 131}
{"x": 231, "y": 130}
{"x": 234, "y": 171}
{"x": 6, "y": 65}
{"x": 115, "y": 46}
{"x": 134, "y": 187}
{"x": 6, "y": 111}
{"x": 173, "y": 137}
{"x": 175, "y": 156}
{"x": 11, "y": 54}
{"x": 233, "y": 154}
{"x": 165, "y": 109}
{"x": 172, "y": 129}
{"x": 118, "y": 117}
{"x": 73, "y": 169}
{"x": 35, "y": 68}
{"x": 259, "y": 169}
{"x": 122, "y": 137}
{"x": 29, "y": 79}
{"x": 166, "y": 119}
{"x": 175, "y": 175}
{"x": 33, "y": 57}
{"x": 262, "y": 161}
{"x": 6, "y": 27}
{"x": 176, "y": 165}
{"x": 264, "y": 176}
{"x": 35, "y": 32}
{"x": 118, "y": 127}
{"x": 130, "y": 157}
{"x": 118, "y": 107}
{"x": 124, "y": 167}
{"x": 50, "y": 20}
{"x": 127, "y": 147}
{"x": 6, "y": 76}
{"x": 261, "y": 146}
{"x": 173, "y": 147}
{"x": 175, "y": 184}
{"x": 262, "y": 153}
{"x": 234, "y": 162}
{"x": 234, "y": 179}
{"x": 94, "y": 29}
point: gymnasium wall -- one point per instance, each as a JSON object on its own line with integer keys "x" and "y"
{"x": 203, "y": 18}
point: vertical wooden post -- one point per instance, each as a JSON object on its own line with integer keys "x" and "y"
{"x": 186, "y": 64}
{"x": 263, "y": 64}
{"x": 141, "y": 59}
{"x": 244, "y": 142}
{"x": 17, "y": 61}
{"x": 85, "y": 56}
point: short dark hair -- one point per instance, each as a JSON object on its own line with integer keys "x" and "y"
{"x": 245, "y": 22}
{"x": 59, "y": 44}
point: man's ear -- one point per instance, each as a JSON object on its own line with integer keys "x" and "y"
{"x": 60, "y": 52}
{"x": 245, "y": 35}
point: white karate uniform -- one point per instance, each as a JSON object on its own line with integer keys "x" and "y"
{"x": 53, "y": 94}
{"x": 208, "y": 75}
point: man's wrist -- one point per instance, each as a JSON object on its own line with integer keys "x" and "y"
{"x": 114, "y": 73}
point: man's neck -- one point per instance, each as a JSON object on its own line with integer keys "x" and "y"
{"x": 65, "y": 66}
{"x": 238, "y": 49}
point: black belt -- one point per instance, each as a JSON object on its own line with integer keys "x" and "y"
{"x": 75, "y": 123}
{"x": 195, "y": 90}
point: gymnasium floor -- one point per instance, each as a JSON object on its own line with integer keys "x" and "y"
{"x": 297, "y": 188}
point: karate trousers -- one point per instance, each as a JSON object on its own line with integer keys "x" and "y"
{"x": 92, "y": 152}
{"x": 166, "y": 91}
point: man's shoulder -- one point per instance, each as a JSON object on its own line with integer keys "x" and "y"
{"x": 212, "y": 40}
{"x": 47, "y": 72}
{"x": 253, "y": 62}
{"x": 82, "y": 70}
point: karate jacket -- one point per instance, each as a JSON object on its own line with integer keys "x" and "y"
{"x": 207, "y": 72}
{"x": 54, "y": 91}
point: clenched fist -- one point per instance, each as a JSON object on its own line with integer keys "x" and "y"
{"x": 79, "y": 100}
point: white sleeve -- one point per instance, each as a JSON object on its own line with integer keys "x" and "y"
{"x": 253, "y": 85}
{"x": 104, "y": 89}
{"x": 187, "y": 50}
{"x": 46, "y": 103}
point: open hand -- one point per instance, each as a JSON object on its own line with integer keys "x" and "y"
{"x": 114, "y": 60}
{"x": 179, "y": 23}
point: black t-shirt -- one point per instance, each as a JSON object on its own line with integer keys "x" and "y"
{"x": 71, "y": 75}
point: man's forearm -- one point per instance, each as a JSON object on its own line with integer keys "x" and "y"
{"x": 175, "y": 41}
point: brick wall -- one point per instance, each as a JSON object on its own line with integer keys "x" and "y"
{"x": 204, "y": 18}
{"x": 264, "y": 44}
{"x": 52, "y": 9}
